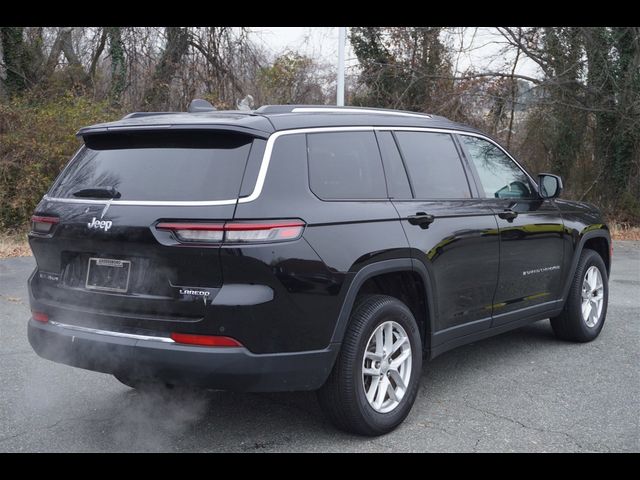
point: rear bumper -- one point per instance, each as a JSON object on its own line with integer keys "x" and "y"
{"x": 218, "y": 368}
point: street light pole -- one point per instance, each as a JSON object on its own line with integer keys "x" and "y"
{"x": 342, "y": 36}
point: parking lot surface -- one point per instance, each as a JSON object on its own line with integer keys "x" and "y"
{"x": 521, "y": 391}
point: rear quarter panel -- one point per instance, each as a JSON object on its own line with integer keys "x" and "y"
{"x": 310, "y": 276}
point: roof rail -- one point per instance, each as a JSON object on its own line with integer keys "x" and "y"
{"x": 359, "y": 111}
{"x": 267, "y": 109}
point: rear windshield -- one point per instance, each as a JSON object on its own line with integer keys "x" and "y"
{"x": 160, "y": 166}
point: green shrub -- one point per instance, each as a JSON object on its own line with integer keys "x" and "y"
{"x": 37, "y": 139}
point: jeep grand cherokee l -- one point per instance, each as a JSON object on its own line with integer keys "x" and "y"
{"x": 303, "y": 248}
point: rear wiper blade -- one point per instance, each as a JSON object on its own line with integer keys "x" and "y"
{"x": 98, "y": 192}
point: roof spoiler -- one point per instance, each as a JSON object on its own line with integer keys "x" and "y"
{"x": 196, "y": 105}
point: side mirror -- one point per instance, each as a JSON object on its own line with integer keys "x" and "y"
{"x": 549, "y": 186}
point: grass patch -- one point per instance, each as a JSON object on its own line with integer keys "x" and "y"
{"x": 14, "y": 245}
{"x": 624, "y": 231}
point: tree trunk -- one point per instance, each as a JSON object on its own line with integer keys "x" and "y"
{"x": 78, "y": 73}
{"x": 13, "y": 57}
{"x": 118, "y": 64}
{"x": 562, "y": 49}
{"x": 601, "y": 91}
{"x": 96, "y": 56}
{"x": 157, "y": 95}
{"x": 54, "y": 55}
{"x": 626, "y": 137}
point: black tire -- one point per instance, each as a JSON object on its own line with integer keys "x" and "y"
{"x": 570, "y": 325}
{"x": 342, "y": 397}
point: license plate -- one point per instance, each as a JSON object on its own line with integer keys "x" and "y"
{"x": 108, "y": 275}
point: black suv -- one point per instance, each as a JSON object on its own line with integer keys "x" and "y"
{"x": 303, "y": 248}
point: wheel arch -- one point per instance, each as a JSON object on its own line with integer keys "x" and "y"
{"x": 381, "y": 273}
{"x": 602, "y": 246}
{"x": 598, "y": 240}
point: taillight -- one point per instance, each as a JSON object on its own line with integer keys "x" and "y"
{"x": 263, "y": 232}
{"x": 42, "y": 223}
{"x": 40, "y": 316}
{"x": 235, "y": 232}
{"x": 195, "y": 232}
{"x": 205, "y": 340}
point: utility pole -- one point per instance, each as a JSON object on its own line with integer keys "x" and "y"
{"x": 342, "y": 37}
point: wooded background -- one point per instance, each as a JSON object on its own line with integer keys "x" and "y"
{"x": 579, "y": 117}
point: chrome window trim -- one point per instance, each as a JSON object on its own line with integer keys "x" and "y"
{"x": 534, "y": 183}
{"x": 462, "y": 132}
{"x": 266, "y": 159}
{"x": 97, "y": 331}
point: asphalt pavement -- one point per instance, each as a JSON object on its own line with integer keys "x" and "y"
{"x": 522, "y": 391}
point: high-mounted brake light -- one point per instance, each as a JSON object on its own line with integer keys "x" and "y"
{"x": 205, "y": 340}
{"x": 42, "y": 223}
{"x": 230, "y": 232}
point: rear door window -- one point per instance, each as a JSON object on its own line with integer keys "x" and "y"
{"x": 166, "y": 166}
{"x": 434, "y": 166}
{"x": 345, "y": 166}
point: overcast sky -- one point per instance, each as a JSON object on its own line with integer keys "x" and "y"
{"x": 321, "y": 43}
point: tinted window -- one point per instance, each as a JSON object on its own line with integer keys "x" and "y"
{"x": 397, "y": 181}
{"x": 171, "y": 166}
{"x": 434, "y": 166}
{"x": 345, "y": 165}
{"x": 499, "y": 175}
